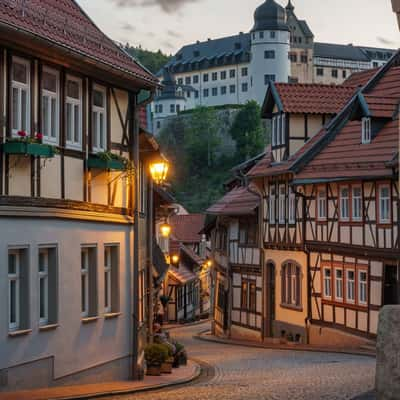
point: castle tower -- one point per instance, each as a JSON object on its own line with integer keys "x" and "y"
{"x": 270, "y": 45}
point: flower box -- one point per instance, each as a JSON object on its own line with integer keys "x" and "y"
{"x": 100, "y": 163}
{"x": 32, "y": 149}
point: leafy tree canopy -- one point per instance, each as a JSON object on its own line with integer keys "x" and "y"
{"x": 152, "y": 60}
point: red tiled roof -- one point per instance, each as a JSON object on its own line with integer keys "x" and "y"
{"x": 64, "y": 23}
{"x": 383, "y": 107}
{"x": 358, "y": 79}
{"x": 313, "y": 98}
{"x": 262, "y": 165}
{"x": 239, "y": 201}
{"x": 186, "y": 228}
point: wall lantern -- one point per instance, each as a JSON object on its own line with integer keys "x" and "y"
{"x": 159, "y": 171}
{"x": 165, "y": 230}
{"x": 175, "y": 260}
{"x": 208, "y": 264}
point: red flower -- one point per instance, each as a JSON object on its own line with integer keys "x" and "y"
{"x": 21, "y": 133}
{"x": 39, "y": 136}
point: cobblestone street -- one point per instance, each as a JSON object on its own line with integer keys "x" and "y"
{"x": 252, "y": 373}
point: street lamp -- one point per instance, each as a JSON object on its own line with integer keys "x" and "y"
{"x": 165, "y": 230}
{"x": 159, "y": 171}
{"x": 175, "y": 260}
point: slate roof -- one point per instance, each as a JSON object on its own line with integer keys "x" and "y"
{"x": 65, "y": 24}
{"x": 238, "y": 201}
{"x": 305, "y": 28}
{"x": 339, "y": 51}
{"x": 186, "y": 228}
{"x": 313, "y": 98}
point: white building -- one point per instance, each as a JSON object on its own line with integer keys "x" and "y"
{"x": 235, "y": 69}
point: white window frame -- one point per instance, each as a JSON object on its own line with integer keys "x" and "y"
{"x": 272, "y": 204}
{"x": 15, "y": 277}
{"x": 74, "y": 103}
{"x": 282, "y": 129}
{"x": 96, "y": 112}
{"x": 44, "y": 276}
{"x": 327, "y": 287}
{"x": 348, "y": 281}
{"x": 338, "y": 284}
{"x": 362, "y": 287}
{"x": 20, "y": 86}
{"x": 48, "y": 96}
{"x": 107, "y": 279}
{"x": 356, "y": 204}
{"x": 344, "y": 201}
{"x": 282, "y": 204}
{"x": 322, "y": 205}
{"x": 85, "y": 262}
{"x": 384, "y": 205}
{"x": 366, "y": 130}
{"x": 292, "y": 206}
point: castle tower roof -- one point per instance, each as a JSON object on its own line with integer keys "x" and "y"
{"x": 270, "y": 16}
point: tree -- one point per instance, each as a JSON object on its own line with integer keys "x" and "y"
{"x": 248, "y": 132}
{"x": 152, "y": 60}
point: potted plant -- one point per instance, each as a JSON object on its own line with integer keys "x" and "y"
{"x": 107, "y": 160}
{"x": 180, "y": 356}
{"x": 166, "y": 366}
{"x": 155, "y": 355}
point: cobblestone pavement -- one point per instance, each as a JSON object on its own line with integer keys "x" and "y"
{"x": 252, "y": 373}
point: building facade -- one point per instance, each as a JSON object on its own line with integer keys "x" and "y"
{"x": 75, "y": 258}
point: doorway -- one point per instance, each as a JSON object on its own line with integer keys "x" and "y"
{"x": 270, "y": 298}
{"x": 391, "y": 292}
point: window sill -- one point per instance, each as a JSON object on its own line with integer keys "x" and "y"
{"x": 50, "y": 327}
{"x": 112, "y": 315}
{"x": 292, "y": 307}
{"x": 21, "y": 332}
{"x": 88, "y": 320}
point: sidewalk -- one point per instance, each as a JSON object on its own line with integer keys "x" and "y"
{"x": 179, "y": 376}
{"x": 206, "y": 336}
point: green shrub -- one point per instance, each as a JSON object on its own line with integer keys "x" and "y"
{"x": 155, "y": 354}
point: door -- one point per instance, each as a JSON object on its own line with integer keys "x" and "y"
{"x": 270, "y": 298}
{"x": 391, "y": 292}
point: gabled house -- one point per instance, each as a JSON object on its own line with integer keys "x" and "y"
{"x": 75, "y": 200}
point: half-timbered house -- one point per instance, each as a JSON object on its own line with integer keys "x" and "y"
{"x": 75, "y": 213}
{"x": 349, "y": 181}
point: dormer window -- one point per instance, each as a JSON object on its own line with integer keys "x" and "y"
{"x": 278, "y": 130}
{"x": 366, "y": 130}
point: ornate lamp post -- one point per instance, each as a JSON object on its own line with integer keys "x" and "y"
{"x": 159, "y": 171}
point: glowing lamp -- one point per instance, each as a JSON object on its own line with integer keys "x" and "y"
{"x": 175, "y": 259}
{"x": 209, "y": 263}
{"x": 165, "y": 230}
{"x": 159, "y": 171}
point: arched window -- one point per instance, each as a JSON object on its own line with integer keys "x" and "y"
{"x": 291, "y": 284}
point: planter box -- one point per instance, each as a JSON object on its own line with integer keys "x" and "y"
{"x": 166, "y": 367}
{"x": 32, "y": 149}
{"x": 153, "y": 370}
{"x": 98, "y": 163}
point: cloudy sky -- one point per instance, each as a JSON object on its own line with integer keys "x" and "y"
{"x": 169, "y": 24}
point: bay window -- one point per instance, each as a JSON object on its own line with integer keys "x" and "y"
{"x": 350, "y": 286}
{"x": 73, "y": 112}
{"x": 50, "y": 105}
{"x": 20, "y": 95}
{"x": 99, "y": 119}
{"x": 344, "y": 203}
{"x": 384, "y": 204}
{"x": 322, "y": 204}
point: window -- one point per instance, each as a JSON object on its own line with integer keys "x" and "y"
{"x": 249, "y": 295}
{"x": 18, "y": 289}
{"x": 293, "y": 57}
{"x": 214, "y": 91}
{"x": 214, "y": 76}
{"x": 304, "y": 58}
{"x": 20, "y": 95}
{"x": 269, "y": 54}
{"x": 47, "y": 265}
{"x": 50, "y": 105}
{"x": 272, "y": 34}
{"x": 334, "y": 73}
{"x": 272, "y": 204}
{"x": 282, "y": 204}
{"x": 245, "y": 87}
{"x": 245, "y": 295}
{"x": 195, "y": 79}
{"x": 232, "y": 73}
{"x": 221, "y": 239}
{"x": 350, "y": 286}
{"x": 322, "y": 205}
{"x": 356, "y": 203}
{"x": 291, "y": 284}
{"x": 221, "y": 296}
{"x": 178, "y": 107}
{"x": 179, "y": 296}
{"x": 339, "y": 284}
{"x": 160, "y": 108}
{"x": 188, "y": 80}
{"x": 366, "y": 130}
{"x": 253, "y": 297}
{"x": 232, "y": 89}
{"x": 188, "y": 94}
{"x": 384, "y": 204}
{"x": 111, "y": 278}
{"x": 269, "y": 78}
{"x": 320, "y": 72}
{"x": 88, "y": 282}
{"x": 344, "y": 74}
{"x": 205, "y": 92}
{"x": 158, "y": 124}
{"x": 99, "y": 119}
{"x": 205, "y": 78}
{"x": 223, "y": 90}
{"x": 223, "y": 75}
{"x": 196, "y": 94}
{"x": 248, "y": 231}
{"x": 344, "y": 203}
{"x": 278, "y": 129}
{"x": 190, "y": 293}
{"x": 327, "y": 283}
{"x": 245, "y": 71}
{"x": 362, "y": 287}
{"x": 292, "y": 207}
{"x": 261, "y": 35}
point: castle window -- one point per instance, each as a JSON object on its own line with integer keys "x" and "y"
{"x": 269, "y": 78}
{"x": 205, "y": 92}
{"x": 344, "y": 74}
{"x": 223, "y": 75}
{"x": 320, "y": 72}
{"x": 293, "y": 57}
{"x": 245, "y": 87}
{"x": 195, "y": 79}
{"x": 272, "y": 34}
{"x": 366, "y": 130}
{"x": 180, "y": 81}
{"x": 232, "y": 89}
{"x": 232, "y": 73}
{"x": 261, "y": 35}
{"x": 214, "y": 76}
{"x": 304, "y": 58}
{"x": 334, "y": 73}
{"x": 205, "y": 78}
{"x": 214, "y": 91}
{"x": 223, "y": 90}
{"x": 245, "y": 71}
{"x": 269, "y": 54}
{"x": 172, "y": 108}
{"x": 188, "y": 80}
